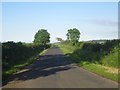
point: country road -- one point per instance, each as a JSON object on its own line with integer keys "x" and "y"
{"x": 55, "y": 70}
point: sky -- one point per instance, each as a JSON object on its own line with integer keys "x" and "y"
{"x": 94, "y": 20}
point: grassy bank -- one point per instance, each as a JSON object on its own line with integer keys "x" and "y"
{"x": 16, "y": 56}
{"x": 107, "y": 72}
{"x": 41, "y": 53}
{"x": 101, "y": 59}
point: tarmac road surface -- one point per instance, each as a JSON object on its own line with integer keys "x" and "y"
{"x": 55, "y": 70}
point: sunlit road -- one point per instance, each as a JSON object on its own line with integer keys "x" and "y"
{"x": 54, "y": 70}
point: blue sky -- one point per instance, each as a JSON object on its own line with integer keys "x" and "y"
{"x": 21, "y": 20}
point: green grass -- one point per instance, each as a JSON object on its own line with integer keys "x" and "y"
{"x": 41, "y": 53}
{"x": 95, "y": 68}
{"x": 18, "y": 67}
{"x": 111, "y": 59}
{"x": 26, "y": 63}
{"x": 67, "y": 48}
{"x": 13, "y": 70}
{"x": 18, "y": 55}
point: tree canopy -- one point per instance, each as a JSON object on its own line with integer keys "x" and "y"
{"x": 59, "y": 39}
{"x": 73, "y": 35}
{"x": 42, "y": 37}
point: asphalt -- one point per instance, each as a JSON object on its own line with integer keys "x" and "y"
{"x": 55, "y": 70}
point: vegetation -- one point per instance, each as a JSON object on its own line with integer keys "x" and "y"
{"x": 59, "y": 39}
{"x": 73, "y": 35}
{"x": 111, "y": 59}
{"x": 107, "y": 72}
{"x": 95, "y": 57}
{"x": 43, "y": 52}
{"x": 67, "y": 47}
{"x": 17, "y": 55}
{"x": 100, "y": 58}
{"x": 42, "y": 37}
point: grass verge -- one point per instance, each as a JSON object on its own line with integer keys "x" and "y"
{"x": 43, "y": 52}
{"x": 92, "y": 67}
{"x": 18, "y": 67}
{"x": 66, "y": 48}
{"x": 100, "y": 70}
{"x": 14, "y": 69}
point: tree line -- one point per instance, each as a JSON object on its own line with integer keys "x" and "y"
{"x": 43, "y": 36}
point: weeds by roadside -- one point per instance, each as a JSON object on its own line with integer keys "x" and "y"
{"x": 95, "y": 56}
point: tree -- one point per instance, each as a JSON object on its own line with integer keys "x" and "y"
{"x": 59, "y": 39}
{"x": 42, "y": 37}
{"x": 73, "y": 35}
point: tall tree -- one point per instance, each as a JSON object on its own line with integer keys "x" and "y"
{"x": 73, "y": 35}
{"x": 59, "y": 39}
{"x": 42, "y": 37}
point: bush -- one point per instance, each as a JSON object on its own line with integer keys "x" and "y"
{"x": 111, "y": 59}
{"x": 18, "y": 54}
{"x": 98, "y": 53}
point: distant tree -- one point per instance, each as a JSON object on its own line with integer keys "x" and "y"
{"x": 42, "y": 37}
{"x": 59, "y": 39}
{"x": 73, "y": 35}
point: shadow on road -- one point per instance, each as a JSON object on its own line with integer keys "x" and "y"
{"x": 45, "y": 66}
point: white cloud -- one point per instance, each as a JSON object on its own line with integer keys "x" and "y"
{"x": 105, "y": 22}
